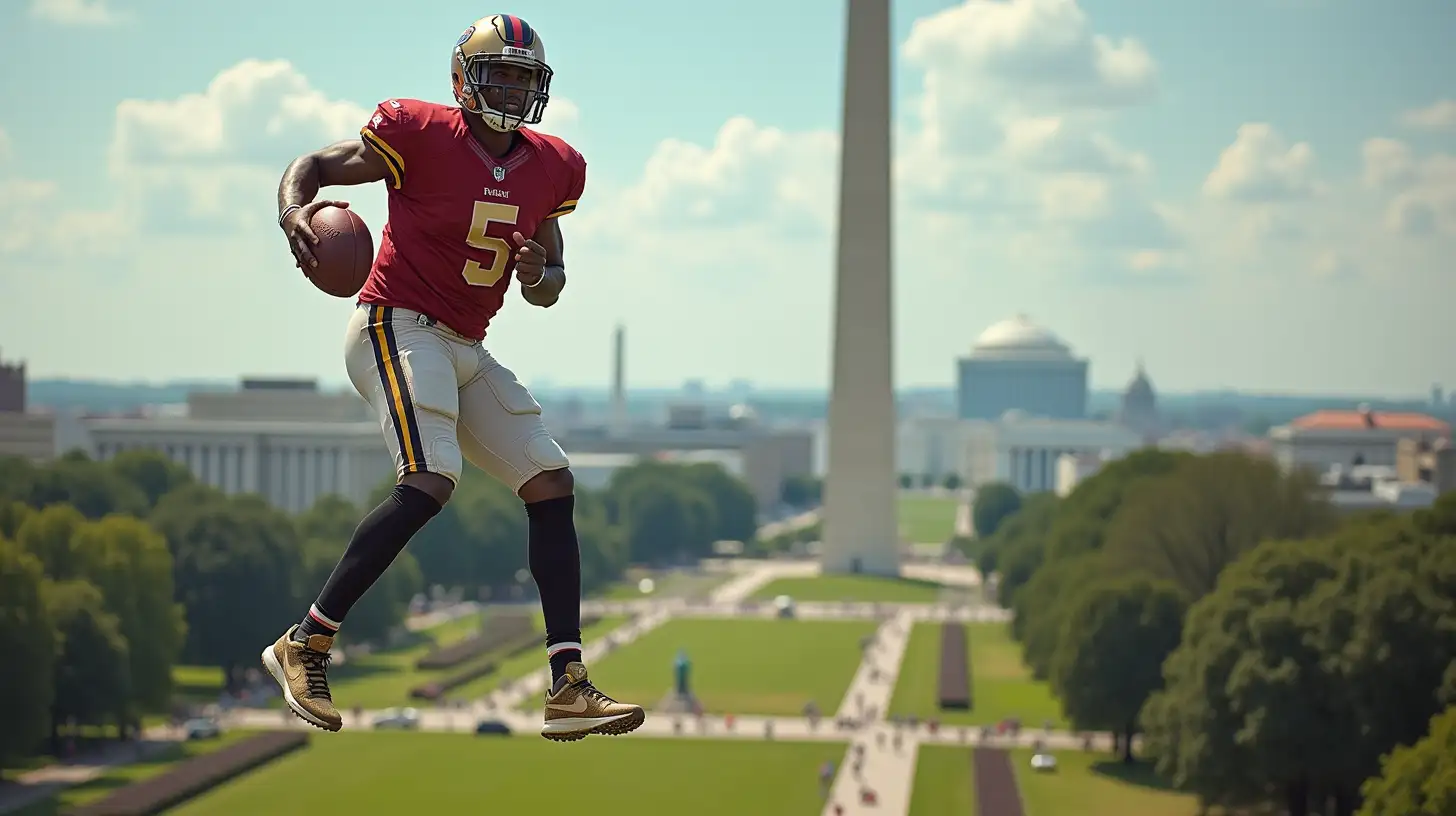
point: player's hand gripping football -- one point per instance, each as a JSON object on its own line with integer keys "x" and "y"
{"x": 297, "y": 225}
{"x": 530, "y": 260}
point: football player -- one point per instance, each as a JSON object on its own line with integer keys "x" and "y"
{"x": 474, "y": 200}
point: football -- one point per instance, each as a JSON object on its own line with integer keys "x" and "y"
{"x": 345, "y": 252}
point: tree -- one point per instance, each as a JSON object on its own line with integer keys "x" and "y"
{"x": 49, "y": 535}
{"x": 735, "y": 511}
{"x": 130, "y": 564}
{"x": 12, "y": 515}
{"x": 94, "y": 489}
{"x": 150, "y": 472}
{"x": 1419, "y": 780}
{"x": 995, "y": 503}
{"x": 1308, "y": 662}
{"x": 1109, "y": 658}
{"x": 91, "y": 673}
{"x": 1044, "y": 604}
{"x": 1189, "y": 524}
{"x": 952, "y": 481}
{"x": 801, "y": 491}
{"x": 1439, "y": 518}
{"x": 660, "y": 523}
{"x": 238, "y": 571}
{"x": 1083, "y": 517}
{"x": 27, "y": 639}
{"x": 907, "y": 481}
{"x": 1016, "y": 550}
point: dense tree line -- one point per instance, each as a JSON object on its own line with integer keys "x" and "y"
{"x": 112, "y": 573}
{"x": 1269, "y": 651}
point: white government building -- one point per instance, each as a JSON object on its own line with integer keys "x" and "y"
{"x": 1020, "y": 366}
{"x": 312, "y": 444}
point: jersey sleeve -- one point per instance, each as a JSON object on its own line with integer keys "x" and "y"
{"x": 576, "y": 183}
{"x": 391, "y": 131}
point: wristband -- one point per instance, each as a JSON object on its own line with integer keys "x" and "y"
{"x": 544, "y": 272}
{"x": 286, "y": 210}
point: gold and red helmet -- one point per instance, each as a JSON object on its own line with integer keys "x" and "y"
{"x": 494, "y": 43}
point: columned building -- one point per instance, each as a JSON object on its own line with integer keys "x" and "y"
{"x": 290, "y": 464}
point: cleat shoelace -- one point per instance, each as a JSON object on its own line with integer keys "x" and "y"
{"x": 590, "y": 692}
{"x": 315, "y": 672}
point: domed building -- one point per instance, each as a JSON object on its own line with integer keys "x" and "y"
{"x": 1016, "y": 365}
{"x": 1139, "y": 411}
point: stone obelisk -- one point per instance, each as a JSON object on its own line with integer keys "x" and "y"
{"x": 860, "y": 525}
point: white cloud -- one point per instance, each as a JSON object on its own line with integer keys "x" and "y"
{"x": 78, "y": 12}
{"x": 1039, "y": 53}
{"x": 751, "y": 175}
{"x": 1261, "y": 165}
{"x": 1053, "y": 143}
{"x": 215, "y": 156}
{"x": 1439, "y": 115}
{"x": 1422, "y": 190}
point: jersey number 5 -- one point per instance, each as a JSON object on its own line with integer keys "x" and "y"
{"x": 486, "y": 212}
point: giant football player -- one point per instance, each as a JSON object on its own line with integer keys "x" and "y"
{"x": 467, "y": 186}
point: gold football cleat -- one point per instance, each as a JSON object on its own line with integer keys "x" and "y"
{"x": 575, "y": 708}
{"x": 301, "y": 670}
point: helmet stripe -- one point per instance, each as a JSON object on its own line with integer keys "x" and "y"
{"x": 515, "y": 31}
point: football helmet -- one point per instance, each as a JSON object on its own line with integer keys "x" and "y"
{"x": 490, "y": 42}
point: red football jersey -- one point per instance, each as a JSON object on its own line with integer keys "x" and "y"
{"x": 447, "y": 250}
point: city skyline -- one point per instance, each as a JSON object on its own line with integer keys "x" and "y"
{"x": 1263, "y": 207}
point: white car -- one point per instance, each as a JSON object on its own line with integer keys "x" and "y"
{"x": 1043, "y": 762}
{"x": 400, "y": 719}
{"x": 200, "y": 728}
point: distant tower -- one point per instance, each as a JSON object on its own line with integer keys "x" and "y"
{"x": 12, "y": 387}
{"x": 618, "y": 424}
{"x": 860, "y": 526}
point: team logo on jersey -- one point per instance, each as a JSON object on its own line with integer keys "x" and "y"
{"x": 469, "y": 32}
{"x": 499, "y": 173}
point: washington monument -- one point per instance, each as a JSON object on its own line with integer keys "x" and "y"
{"x": 860, "y": 526}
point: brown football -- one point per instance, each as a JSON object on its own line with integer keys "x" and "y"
{"x": 345, "y": 252}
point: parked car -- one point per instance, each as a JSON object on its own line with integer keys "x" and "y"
{"x": 494, "y": 728}
{"x": 400, "y": 719}
{"x": 200, "y": 728}
{"x": 1044, "y": 763}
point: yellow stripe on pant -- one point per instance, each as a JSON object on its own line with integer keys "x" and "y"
{"x": 396, "y": 390}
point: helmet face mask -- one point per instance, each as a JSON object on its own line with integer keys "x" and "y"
{"x": 499, "y": 73}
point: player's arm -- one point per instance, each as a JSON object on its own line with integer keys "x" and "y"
{"x": 547, "y": 248}
{"x": 343, "y": 163}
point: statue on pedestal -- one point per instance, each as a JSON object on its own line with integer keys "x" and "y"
{"x": 681, "y": 669}
{"x": 680, "y": 699}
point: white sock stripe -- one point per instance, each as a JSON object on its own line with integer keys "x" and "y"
{"x": 322, "y": 618}
{"x": 559, "y": 647}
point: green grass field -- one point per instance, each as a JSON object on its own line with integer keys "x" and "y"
{"x": 943, "y": 782}
{"x": 926, "y": 519}
{"x": 1096, "y": 784}
{"x": 741, "y": 666}
{"x": 373, "y": 773}
{"x": 124, "y": 775}
{"x": 867, "y": 588}
{"x": 1001, "y": 686}
{"x": 1087, "y": 784}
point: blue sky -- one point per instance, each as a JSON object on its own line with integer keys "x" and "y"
{"x": 1258, "y": 194}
